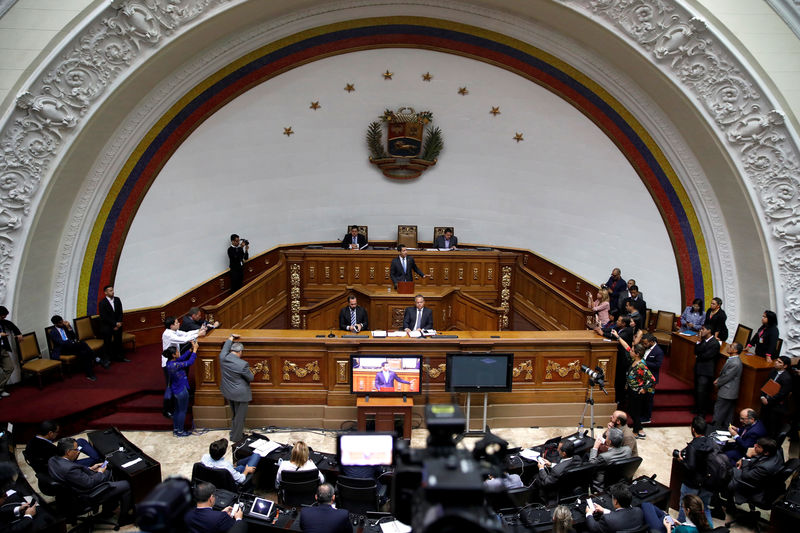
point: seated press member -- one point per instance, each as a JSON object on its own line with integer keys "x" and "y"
{"x": 622, "y": 517}
{"x": 16, "y": 515}
{"x": 754, "y": 472}
{"x": 323, "y": 517}
{"x": 215, "y": 458}
{"x": 204, "y": 519}
{"x": 549, "y": 473}
{"x": 43, "y": 446}
{"x": 619, "y": 420}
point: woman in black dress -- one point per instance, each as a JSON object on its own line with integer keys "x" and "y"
{"x": 715, "y": 320}
{"x": 765, "y": 339}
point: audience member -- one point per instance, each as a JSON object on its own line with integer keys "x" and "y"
{"x": 549, "y": 473}
{"x": 653, "y": 358}
{"x": 43, "y": 446}
{"x": 601, "y": 307}
{"x": 65, "y": 342}
{"x": 765, "y": 340}
{"x": 615, "y": 286}
{"x": 324, "y": 517}
{"x": 636, "y": 300}
{"x": 754, "y": 472}
{"x": 235, "y": 384}
{"x": 418, "y": 317}
{"x": 715, "y": 320}
{"x": 298, "y": 461}
{"x": 693, "y": 316}
{"x": 7, "y": 330}
{"x": 627, "y": 294}
{"x": 16, "y": 516}
{"x": 86, "y": 480}
{"x": 625, "y": 330}
{"x": 619, "y": 420}
{"x": 617, "y": 451}
{"x": 238, "y": 253}
{"x": 215, "y": 458}
{"x": 354, "y": 240}
{"x": 562, "y": 520}
{"x": 403, "y": 266}
{"x": 692, "y": 507}
{"x": 775, "y": 408}
{"x": 641, "y": 385}
{"x": 353, "y": 317}
{"x": 110, "y": 310}
{"x": 204, "y": 519}
{"x": 745, "y": 436}
{"x": 622, "y": 517}
{"x": 727, "y": 384}
{"x": 179, "y": 385}
{"x": 632, "y": 312}
{"x": 693, "y": 459}
{"x": 447, "y": 240}
{"x": 706, "y": 352}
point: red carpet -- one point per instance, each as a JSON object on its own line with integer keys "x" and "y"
{"x": 673, "y": 402}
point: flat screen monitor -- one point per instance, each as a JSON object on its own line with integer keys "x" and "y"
{"x": 365, "y": 449}
{"x": 479, "y": 372}
{"x": 388, "y": 375}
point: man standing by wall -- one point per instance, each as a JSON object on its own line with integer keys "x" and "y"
{"x": 403, "y": 266}
{"x": 7, "y": 330}
{"x": 237, "y": 255}
{"x": 235, "y": 384}
{"x": 110, "y": 309}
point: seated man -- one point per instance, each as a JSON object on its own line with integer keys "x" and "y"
{"x": 323, "y": 517}
{"x": 354, "y": 240}
{"x": 17, "y": 516}
{"x": 353, "y": 317}
{"x": 215, "y": 458}
{"x": 619, "y": 420}
{"x": 204, "y": 519}
{"x": 43, "y": 446}
{"x": 448, "y": 240}
{"x": 65, "y": 342}
{"x": 622, "y": 517}
{"x": 745, "y": 436}
{"x": 418, "y": 317}
{"x": 753, "y": 473}
{"x": 86, "y": 481}
{"x": 505, "y": 481}
{"x": 616, "y": 451}
{"x": 549, "y": 473}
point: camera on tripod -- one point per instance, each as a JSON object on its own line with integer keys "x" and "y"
{"x": 596, "y": 376}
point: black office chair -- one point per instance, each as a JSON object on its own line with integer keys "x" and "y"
{"x": 509, "y": 499}
{"x": 782, "y": 434}
{"x": 219, "y": 477}
{"x": 298, "y": 487}
{"x": 75, "y": 508}
{"x": 575, "y": 482}
{"x": 762, "y": 497}
{"x": 357, "y": 495}
{"x": 623, "y": 470}
{"x": 644, "y": 528}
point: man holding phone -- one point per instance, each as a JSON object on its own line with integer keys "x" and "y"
{"x": 204, "y": 519}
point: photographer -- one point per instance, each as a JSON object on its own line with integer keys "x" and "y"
{"x": 693, "y": 459}
{"x": 238, "y": 253}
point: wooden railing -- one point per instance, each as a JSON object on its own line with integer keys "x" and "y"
{"x": 542, "y": 304}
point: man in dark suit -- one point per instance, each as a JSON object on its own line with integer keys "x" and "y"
{"x": 323, "y": 518}
{"x": 745, "y": 436}
{"x": 549, "y": 473}
{"x": 17, "y": 515}
{"x": 353, "y": 317}
{"x": 706, "y": 352}
{"x": 204, "y": 519}
{"x": 417, "y": 317}
{"x": 238, "y": 253}
{"x": 7, "y": 330}
{"x": 354, "y": 240}
{"x": 774, "y": 408}
{"x": 636, "y": 300}
{"x": 65, "y": 342}
{"x": 94, "y": 483}
{"x": 43, "y": 446}
{"x": 386, "y": 378}
{"x": 403, "y": 267}
{"x": 754, "y": 473}
{"x": 653, "y": 358}
{"x": 727, "y": 384}
{"x": 235, "y": 384}
{"x": 622, "y": 518}
{"x": 110, "y": 309}
{"x": 448, "y": 240}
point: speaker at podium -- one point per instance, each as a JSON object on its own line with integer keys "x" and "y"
{"x": 405, "y": 287}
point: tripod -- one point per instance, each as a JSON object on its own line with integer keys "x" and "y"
{"x": 588, "y": 404}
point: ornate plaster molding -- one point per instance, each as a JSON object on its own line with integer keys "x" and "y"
{"x": 789, "y": 11}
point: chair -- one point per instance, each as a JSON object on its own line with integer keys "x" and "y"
{"x": 31, "y": 360}
{"x": 75, "y": 508}
{"x": 362, "y": 230}
{"x": 129, "y": 339}
{"x": 219, "y": 477}
{"x": 782, "y": 434}
{"x": 778, "y": 346}
{"x": 623, "y": 470}
{"x": 743, "y": 334}
{"x": 407, "y": 235}
{"x": 298, "y": 487}
{"x": 439, "y": 230}
{"x": 85, "y": 332}
{"x": 761, "y": 497}
{"x": 663, "y": 329}
{"x": 509, "y": 499}
{"x": 648, "y": 315}
{"x": 575, "y": 482}
{"x": 66, "y": 360}
{"x": 357, "y": 495}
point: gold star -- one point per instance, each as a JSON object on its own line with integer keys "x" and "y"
{"x": 518, "y": 137}
{"x": 314, "y": 105}
{"x": 288, "y": 131}
{"x": 463, "y": 91}
{"x": 495, "y": 110}
{"x": 350, "y": 87}
{"x": 388, "y": 75}
{"x": 427, "y": 76}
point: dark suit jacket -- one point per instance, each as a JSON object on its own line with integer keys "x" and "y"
{"x": 207, "y": 520}
{"x": 759, "y": 469}
{"x": 348, "y": 240}
{"x": 654, "y": 360}
{"x": 548, "y": 477}
{"x": 396, "y": 270}
{"x": 75, "y": 476}
{"x": 59, "y": 343}
{"x": 706, "y": 353}
{"x": 38, "y": 452}
{"x": 785, "y": 381}
{"x": 381, "y": 382}
{"x": 616, "y": 520}
{"x": 440, "y": 241}
{"x": 109, "y": 317}
{"x": 639, "y": 304}
{"x": 748, "y": 436}
{"x": 189, "y": 324}
{"x": 10, "y": 523}
{"x": 765, "y": 341}
{"x": 236, "y": 257}
{"x": 717, "y": 324}
{"x": 325, "y": 519}
{"x": 361, "y": 317}
{"x": 425, "y": 321}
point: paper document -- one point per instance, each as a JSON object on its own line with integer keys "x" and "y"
{"x": 264, "y": 447}
{"x": 415, "y": 334}
{"x": 529, "y": 454}
{"x": 378, "y": 333}
{"x": 396, "y": 334}
{"x": 429, "y": 332}
{"x": 395, "y": 526}
{"x": 131, "y": 463}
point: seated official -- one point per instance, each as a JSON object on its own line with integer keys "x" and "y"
{"x": 323, "y": 517}
{"x": 354, "y": 240}
{"x": 353, "y": 317}
{"x": 447, "y": 240}
{"x": 43, "y": 446}
{"x": 65, "y": 342}
{"x": 403, "y": 266}
{"x": 617, "y": 451}
{"x": 15, "y": 516}
{"x": 298, "y": 461}
{"x": 754, "y": 472}
{"x": 550, "y": 473}
{"x": 215, "y": 458}
{"x": 745, "y": 436}
{"x": 204, "y": 519}
{"x": 418, "y": 317}
{"x": 84, "y": 480}
{"x": 622, "y": 517}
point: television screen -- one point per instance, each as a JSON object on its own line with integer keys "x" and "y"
{"x": 479, "y": 372}
{"x": 365, "y": 449}
{"x": 385, "y": 374}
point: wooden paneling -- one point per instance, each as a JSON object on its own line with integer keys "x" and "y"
{"x": 256, "y": 304}
{"x": 544, "y": 305}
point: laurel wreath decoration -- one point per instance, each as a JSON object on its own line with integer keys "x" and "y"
{"x": 434, "y": 143}
{"x": 375, "y": 141}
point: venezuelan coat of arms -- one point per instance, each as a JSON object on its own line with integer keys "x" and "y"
{"x": 412, "y": 145}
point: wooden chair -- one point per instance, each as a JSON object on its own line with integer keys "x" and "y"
{"x": 66, "y": 360}
{"x": 439, "y": 230}
{"x": 648, "y": 315}
{"x": 663, "y": 328}
{"x": 31, "y": 360}
{"x": 743, "y": 334}
{"x": 407, "y": 235}
{"x": 85, "y": 332}
{"x": 778, "y": 346}
{"x": 128, "y": 339}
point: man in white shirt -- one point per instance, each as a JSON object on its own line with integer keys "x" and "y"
{"x": 215, "y": 458}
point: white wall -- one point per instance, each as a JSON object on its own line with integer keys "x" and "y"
{"x": 565, "y": 192}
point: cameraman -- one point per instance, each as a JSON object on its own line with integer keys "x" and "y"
{"x": 694, "y": 460}
{"x": 237, "y": 255}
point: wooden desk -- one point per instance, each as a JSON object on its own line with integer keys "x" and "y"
{"x": 385, "y": 410}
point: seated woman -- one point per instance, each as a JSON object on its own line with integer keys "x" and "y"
{"x": 765, "y": 340}
{"x": 693, "y": 317}
{"x": 696, "y": 518}
{"x": 179, "y": 384}
{"x": 298, "y": 461}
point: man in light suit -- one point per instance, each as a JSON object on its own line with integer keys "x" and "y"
{"x": 727, "y": 384}
{"x": 617, "y": 451}
{"x": 110, "y": 310}
{"x": 448, "y": 240}
{"x": 235, "y": 384}
{"x": 417, "y": 317}
{"x": 354, "y": 240}
{"x": 386, "y": 377}
{"x": 353, "y": 317}
{"x": 403, "y": 267}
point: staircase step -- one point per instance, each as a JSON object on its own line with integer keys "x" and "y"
{"x": 672, "y": 401}
{"x": 146, "y": 404}
{"x": 672, "y": 418}
{"x": 136, "y": 421}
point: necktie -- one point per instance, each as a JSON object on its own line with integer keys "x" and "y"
{"x": 63, "y": 334}
{"x": 419, "y": 314}
{"x": 352, "y": 318}
{"x": 404, "y": 264}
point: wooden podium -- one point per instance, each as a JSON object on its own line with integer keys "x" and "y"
{"x": 405, "y": 287}
{"x": 384, "y": 410}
